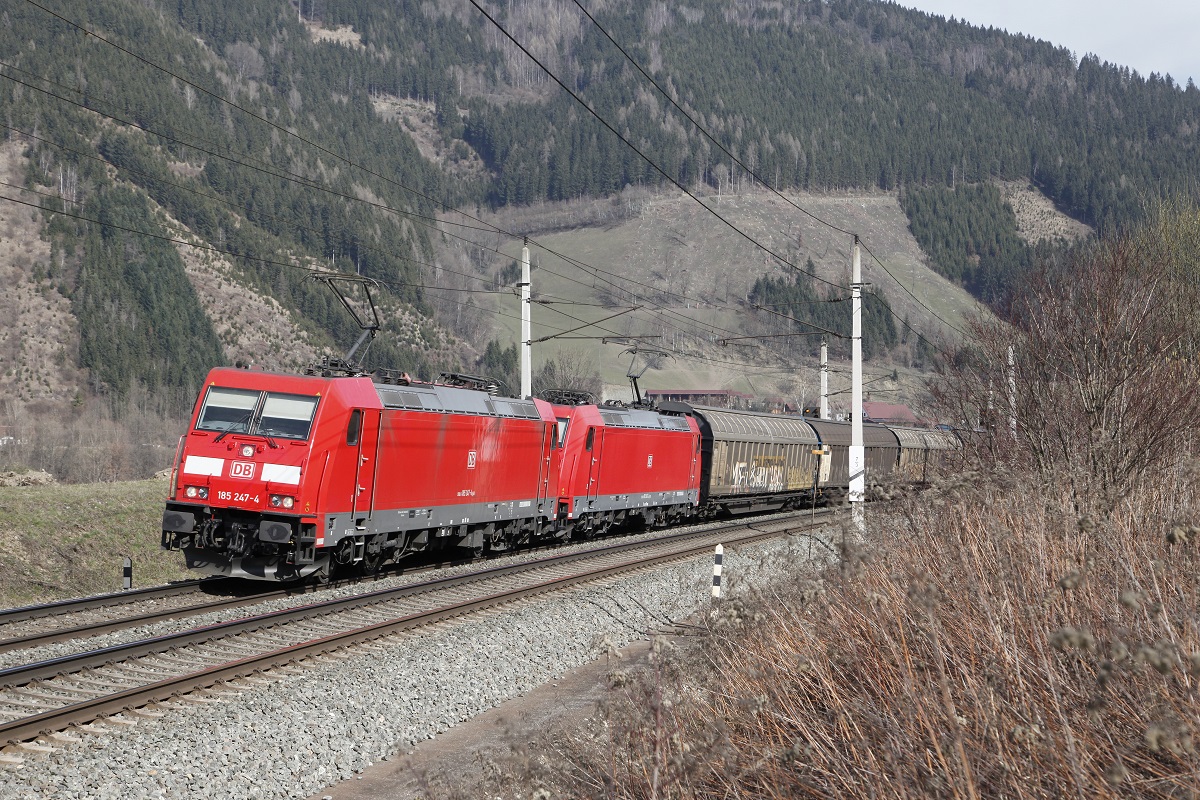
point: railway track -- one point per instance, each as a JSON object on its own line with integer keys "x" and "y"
{"x": 32, "y": 626}
{"x": 52, "y": 696}
{"x": 65, "y": 620}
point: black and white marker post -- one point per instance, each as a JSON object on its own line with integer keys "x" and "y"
{"x": 127, "y": 574}
{"x": 716, "y": 590}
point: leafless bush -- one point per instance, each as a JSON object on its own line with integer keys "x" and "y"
{"x": 990, "y": 647}
{"x": 1091, "y": 376}
{"x": 452, "y": 302}
{"x": 1026, "y": 628}
{"x": 569, "y": 370}
{"x": 95, "y": 442}
{"x": 246, "y": 60}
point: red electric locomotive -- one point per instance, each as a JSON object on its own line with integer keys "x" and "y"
{"x": 616, "y": 462}
{"x": 282, "y": 477}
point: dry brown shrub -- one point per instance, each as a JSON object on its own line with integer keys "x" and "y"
{"x": 1090, "y": 375}
{"x": 994, "y": 646}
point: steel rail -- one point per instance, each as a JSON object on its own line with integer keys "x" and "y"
{"x": 251, "y": 594}
{"x": 22, "y": 613}
{"x": 64, "y": 717}
{"x": 108, "y": 626}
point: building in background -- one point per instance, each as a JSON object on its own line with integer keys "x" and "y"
{"x": 890, "y": 414}
{"x": 714, "y": 398}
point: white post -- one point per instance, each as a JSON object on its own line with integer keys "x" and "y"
{"x": 824, "y": 379}
{"x": 858, "y": 465}
{"x": 526, "y": 335}
{"x": 1012, "y": 392}
{"x": 717, "y": 558}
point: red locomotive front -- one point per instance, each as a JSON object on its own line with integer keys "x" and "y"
{"x": 242, "y": 500}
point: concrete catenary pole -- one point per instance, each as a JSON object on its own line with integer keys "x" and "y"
{"x": 858, "y": 465}
{"x": 824, "y": 379}
{"x": 526, "y": 334}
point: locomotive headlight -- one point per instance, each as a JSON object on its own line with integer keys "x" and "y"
{"x": 288, "y": 502}
{"x": 197, "y": 491}
{"x": 282, "y": 501}
{"x": 247, "y": 451}
{"x": 203, "y": 492}
{"x": 191, "y": 491}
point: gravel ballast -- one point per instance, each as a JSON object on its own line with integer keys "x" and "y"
{"x": 334, "y": 716}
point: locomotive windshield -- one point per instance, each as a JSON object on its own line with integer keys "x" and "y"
{"x": 288, "y": 416}
{"x": 227, "y": 410}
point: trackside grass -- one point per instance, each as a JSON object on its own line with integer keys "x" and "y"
{"x": 987, "y": 644}
{"x": 67, "y": 540}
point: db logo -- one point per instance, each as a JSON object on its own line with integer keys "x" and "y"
{"x": 241, "y": 469}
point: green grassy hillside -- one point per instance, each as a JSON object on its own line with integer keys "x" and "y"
{"x": 68, "y": 541}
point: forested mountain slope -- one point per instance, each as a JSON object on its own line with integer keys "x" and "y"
{"x": 184, "y": 165}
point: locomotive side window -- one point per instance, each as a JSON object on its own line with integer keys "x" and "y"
{"x": 227, "y": 410}
{"x": 355, "y": 426}
{"x": 287, "y": 415}
{"x": 591, "y": 438}
{"x": 560, "y": 431}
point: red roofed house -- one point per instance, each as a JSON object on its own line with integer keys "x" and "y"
{"x": 890, "y": 413}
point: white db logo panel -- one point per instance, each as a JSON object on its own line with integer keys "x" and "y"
{"x": 241, "y": 469}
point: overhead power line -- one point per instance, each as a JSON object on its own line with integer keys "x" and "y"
{"x": 225, "y": 202}
{"x": 418, "y": 219}
{"x": 205, "y": 247}
{"x": 645, "y": 157}
{"x": 701, "y": 128}
{"x": 759, "y": 179}
{"x": 921, "y": 303}
{"x": 418, "y": 193}
{"x": 292, "y": 134}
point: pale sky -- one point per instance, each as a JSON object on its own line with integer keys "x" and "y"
{"x": 1160, "y": 36}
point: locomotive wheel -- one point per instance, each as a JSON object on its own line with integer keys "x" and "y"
{"x": 343, "y": 554}
{"x": 374, "y": 555}
{"x": 371, "y": 562}
{"x": 584, "y": 529}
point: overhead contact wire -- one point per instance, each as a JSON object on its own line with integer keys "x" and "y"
{"x": 334, "y": 154}
{"x": 635, "y": 149}
{"x": 762, "y": 182}
{"x": 702, "y": 129}
{"x": 281, "y": 174}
